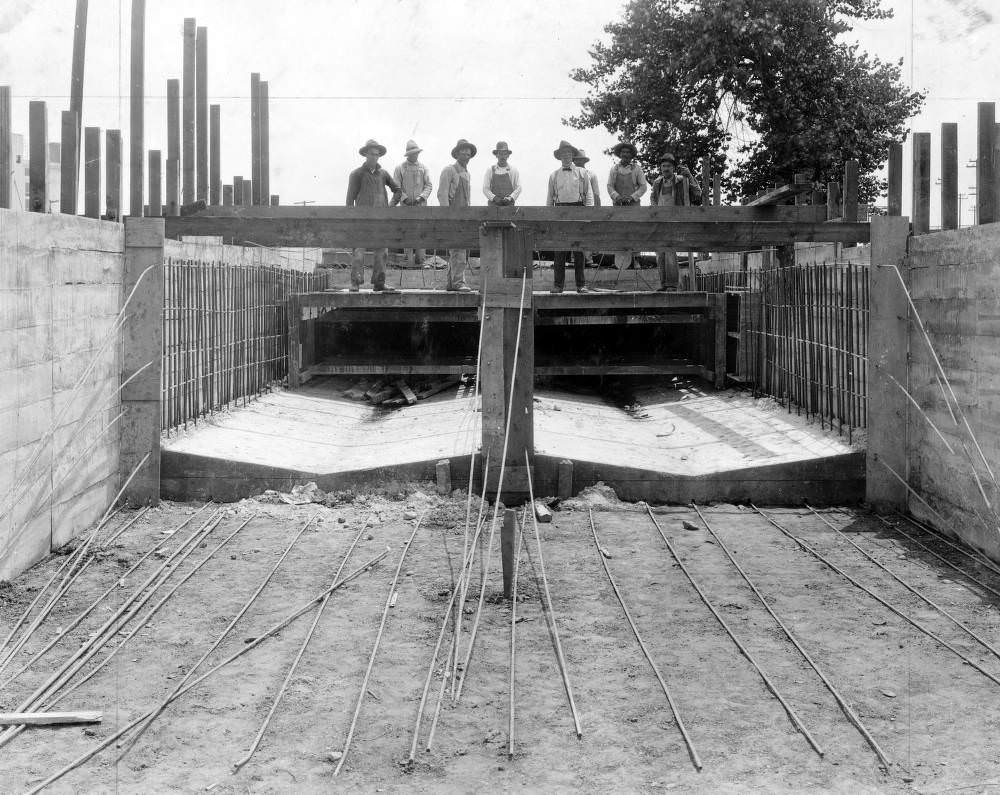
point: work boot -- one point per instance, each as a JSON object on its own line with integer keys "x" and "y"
{"x": 460, "y": 288}
{"x": 385, "y": 289}
{"x": 584, "y": 289}
{"x": 556, "y": 289}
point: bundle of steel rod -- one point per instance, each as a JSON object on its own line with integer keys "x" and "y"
{"x": 224, "y": 334}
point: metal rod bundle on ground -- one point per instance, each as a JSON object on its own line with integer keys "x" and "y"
{"x": 793, "y": 716}
{"x": 896, "y": 611}
{"x": 969, "y": 552}
{"x": 378, "y": 640}
{"x": 841, "y": 701}
{"x": 191, "y": 685}
{"x": 645, "y": 651}
{"x": 513, "y": 640}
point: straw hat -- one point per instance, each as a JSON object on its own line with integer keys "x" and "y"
{"x": 667, "y": 157}
{"x": 565, "y": 145}
{"x": 371, "y": 142}
{"x": 462, "y": 142}
{"x": 617, "y": 151}
{"x": 581, "y": 155}
{"x": 411, "y": 147}
{"x": 502, "y": 147}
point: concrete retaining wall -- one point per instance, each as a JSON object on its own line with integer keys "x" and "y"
{"x": 955, "y": 283}
{"x": 60, "y": 291}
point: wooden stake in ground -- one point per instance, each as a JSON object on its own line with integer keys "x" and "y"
{"x": 378, "y": 640}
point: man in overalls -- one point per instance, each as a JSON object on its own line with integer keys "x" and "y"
{"x": 569, "y": 186}
{"x": 580, "y": 161}
{"x": 366, "y": 188}
{"x": 672, "y": 189}
{"x": 455, "y": 191}
{"x": 414, "y": 179}
{"x": 626, "y": 186}
{"x": 502, "y": 183}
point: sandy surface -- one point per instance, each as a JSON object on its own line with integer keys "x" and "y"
{"x": 934, "y": 716}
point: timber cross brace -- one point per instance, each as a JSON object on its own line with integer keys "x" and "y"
{"x": 507, "y": 239}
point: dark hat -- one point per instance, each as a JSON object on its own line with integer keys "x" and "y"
{"x": 363, "y": 151}
{"x": 565, "y": 145}
{"x": 624, "y": 145}
{"x": 581, "y": 155}
{"x": 462, "y": 142}
{"x": 667, "y": 156}
{"x": 502, "y": 147}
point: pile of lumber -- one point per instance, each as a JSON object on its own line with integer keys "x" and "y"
{"x": 393, "y": 391}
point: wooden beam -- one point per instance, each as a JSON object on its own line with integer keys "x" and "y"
{"x": 850, "y": 191}
{"x": 782, "y": 193}
{"x": 265, "y": 145}
{"x": 137, "y": 106}
{"x": 255, "y": 137}
{"x": 921, "y": 183}
{"x": 173, "y": 146}
{"x": 986, "y": 200}
{"x": 895, "y": 177}
{"x": 48, "y": 718}
{"x": 227, "y": 195}
{"x": 201, "y": 111}
{"x": 188, "y": 112}
{"x": 215, "y": 172}
{"x": 155, "y": 192}
{"x": 68, "y": 160}
{"x": 113, "y": 175}
{"x": 38, "y": 156}
{"x": 247, "y": 193}
{"x": 6, "y": 158}
{"x": 949, "y": 175}
{"x": 92, "y": 172}
{"x": 76, "y": 81}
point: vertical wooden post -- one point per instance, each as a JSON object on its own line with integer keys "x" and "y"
{"x": 201, "y": 111}
{"x": 275, "y": 200}
{"x": 255, "y": 137}
{"x": 265, "y": 144}
{"x": 247, "y": 192}
{"x": 294, "y": 346}
{"x": 6, "y": 158}
{"x": 142, "y": 345}
{"x": 949, "y": 175}
{"x": 173, "y": 145}
{"x": 76, "y": 85}
{"x": 38, "y": 156}
{"x": 986, "y": 200}
{"x": 137, "y": 106}
{"x": 92, "y": 172}
{"x": 851, "y": 191}
{"x": 227, "y": 195}
{"x": 215, "y": 171}
{"x": 507, "y": 533}
{"x": 68, "y": 162}
{"x": 832, "y": 200}
{"x": 505, "y": 257}
{"x": 895, "y": 175}
{"x": 238, "y": 190}
{"x": 187, "y": 115}
{"x": 113, "y": 175}
{"x": 921, "y": 183}
{"x": 155, "y": 193}
{"x": 887, "y": 356}
{"x": 718, "y": 315}
{"x": 716, "y": 190}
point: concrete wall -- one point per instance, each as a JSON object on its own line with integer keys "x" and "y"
{"x": 60, "y": 290}
{"x": 955, "y": 283}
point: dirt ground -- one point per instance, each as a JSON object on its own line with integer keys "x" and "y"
{"x": 936, "y": 717}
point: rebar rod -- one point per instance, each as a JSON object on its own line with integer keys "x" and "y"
{"x": 970, "y": 552}
{"x": 121, "y": 530}
{"x": 841, "y": 701}
{"x": 513, "y": 641}
{"x": 642, "y": 645}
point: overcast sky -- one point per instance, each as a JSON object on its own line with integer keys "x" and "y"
{"x": 340, "y": 72}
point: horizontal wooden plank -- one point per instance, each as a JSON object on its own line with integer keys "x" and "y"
{"x": 48, "y": 718}
{"x": 653, "y": 367}
{"x": 618, "y": 320}
{"x": 397, "y": 316}
{"x": 353, "y": 365}
{"x": 408, "y": 299}
{"x": 621, "y": 301}
{"x": 783, "y": 193}
{"x": 599, "y": 229}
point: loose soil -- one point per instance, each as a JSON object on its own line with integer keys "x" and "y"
{"x": 934, "y": 716}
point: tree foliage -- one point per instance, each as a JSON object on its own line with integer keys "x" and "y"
{"x": 765, "y": 88}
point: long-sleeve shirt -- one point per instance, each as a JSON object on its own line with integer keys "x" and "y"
{"x": 631, "y": 176}
{"x": 454, "y": 189}
{"x": 414, "y": 179}
{"x": 515, "y": 180}
{"x": 595, "y": 186}
{"x": 569, "y": 185}
{"x": 366, "y": 187}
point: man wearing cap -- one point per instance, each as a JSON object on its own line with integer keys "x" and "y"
{"x": 502, "y": 183}
{"x": 672, "y": 189}
{"x": 580, "y": 161}
{"x": 366, "y": 188}
{"x": 626, "y": 185}
{"x": 414, "y": 180}
{"x": 455, "y": 190}
{"x": 569, "y": 186}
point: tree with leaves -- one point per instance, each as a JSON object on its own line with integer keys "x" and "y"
{"x": 765, "y": 88}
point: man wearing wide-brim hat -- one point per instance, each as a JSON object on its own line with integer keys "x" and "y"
{"x": 580, "y": 161}
{"x": 673, "y": 188}
{"x": 502, "y": 182}
{"x": 414, "y": 180}
{"x": 455, "y": 190}
{"x": 626, "y": 185}
{"x": 569, "y": 186}
{"x": 366, "y": 188}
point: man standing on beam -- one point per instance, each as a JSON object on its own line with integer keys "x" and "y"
{"x": 455, "y": 190}
{"x": 569, "y": 186}
{"x": 671, "y": 189}
{"x": 414, "y": 179}
{"x": 502, "y": 183}
{"x": 626, "y": 185}
{"x": 366, "y": 188}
